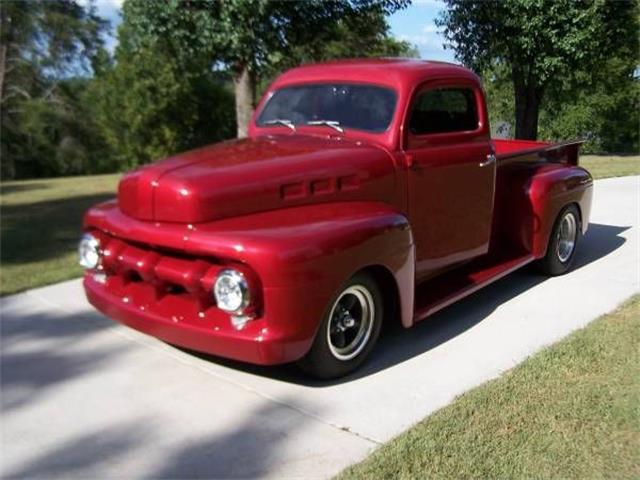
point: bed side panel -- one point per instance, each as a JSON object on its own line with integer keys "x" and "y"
{"x": 530, "y": 192}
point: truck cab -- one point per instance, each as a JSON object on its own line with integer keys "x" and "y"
{"x": 368, "y": 191}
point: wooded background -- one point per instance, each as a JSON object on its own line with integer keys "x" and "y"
{"x": 187, "y": 73}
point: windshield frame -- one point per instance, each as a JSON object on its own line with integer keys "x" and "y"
{"x": 270, "y": 94}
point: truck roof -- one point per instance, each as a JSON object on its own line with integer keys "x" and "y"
{"x": 400, "y": 73}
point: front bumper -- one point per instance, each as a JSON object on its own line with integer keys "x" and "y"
{"x": 178, "y": 320}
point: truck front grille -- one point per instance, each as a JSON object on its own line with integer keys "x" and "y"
{"x": 167, "y": 273}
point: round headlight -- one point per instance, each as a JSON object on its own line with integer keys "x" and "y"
{"x": 89, "y": 251}
{"x": 231, "y": 291}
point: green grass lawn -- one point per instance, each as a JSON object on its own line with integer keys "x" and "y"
{"x": 41, "y": 224}
{"x": 570, "y": 411}
{"x": 41, "y": 221}
{"x": 605, "y": 166}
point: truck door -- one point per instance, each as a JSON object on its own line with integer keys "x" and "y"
{"x": 451, "y": 174}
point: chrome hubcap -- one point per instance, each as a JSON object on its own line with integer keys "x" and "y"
{"x": 350, "y": 322}
{"x": 566, "y": 240}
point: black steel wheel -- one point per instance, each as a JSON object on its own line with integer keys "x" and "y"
{"x": 349, "y": 330}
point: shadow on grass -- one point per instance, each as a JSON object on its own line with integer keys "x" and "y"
{"x": 609, "y": 155}
{"x": 43, "y": 230}
{"x": 22, "y": 187}
{"x": 397, "y": 345}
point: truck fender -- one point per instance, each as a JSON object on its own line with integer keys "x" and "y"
{"x": 360, "y": 236}
{"x": 552, "y": 188}
{"x": 313, "y": 250}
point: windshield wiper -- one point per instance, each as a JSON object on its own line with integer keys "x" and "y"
{"x": 281, "y": 121}
{"x": 329, "y": 123}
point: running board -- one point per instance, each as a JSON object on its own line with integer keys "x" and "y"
{"x": 436, "y": 294}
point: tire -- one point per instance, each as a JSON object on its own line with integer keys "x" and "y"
{"x": 563, "y": 242}
{"x": 348, "y": 332}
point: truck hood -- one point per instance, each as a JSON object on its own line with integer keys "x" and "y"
{"x": 245, "y": 176}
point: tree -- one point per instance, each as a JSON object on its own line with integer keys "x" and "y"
{"x": 542, "y": 43}
{"x": 358, "y": 36}
{"x": 605, "y": 111}
{"x": 241, "y": 34}
{"x": 42, "y": 44}
{"x": 57, "y": 135}
{"x": 56, "y": 37}
{"x": 148, "y": 107}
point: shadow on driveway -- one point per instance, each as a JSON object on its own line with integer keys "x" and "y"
{"x": 95, "y": 452}
{"x": 43, "y": 350}
{"x": 249, "y": 450}
{"x": 253, "y": 448}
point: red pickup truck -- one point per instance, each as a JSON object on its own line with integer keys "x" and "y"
{"x": 368, "y": 191}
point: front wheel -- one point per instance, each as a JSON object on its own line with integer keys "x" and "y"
{"x": 563, "y": 242}
{"x": 349, "y": 330}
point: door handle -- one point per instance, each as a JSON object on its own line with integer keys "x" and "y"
{"x": 491, "y": 158}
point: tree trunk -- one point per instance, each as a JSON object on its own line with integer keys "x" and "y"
{"x": 244, "y": 85}
{"x": 527, "y": 103}
{"x": 3, "y": 70}
{"x": 7, "y": 166}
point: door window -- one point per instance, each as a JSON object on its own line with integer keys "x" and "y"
{"x": 444, "y": 110}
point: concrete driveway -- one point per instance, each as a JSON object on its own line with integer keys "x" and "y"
{"x": 84, "y": 397}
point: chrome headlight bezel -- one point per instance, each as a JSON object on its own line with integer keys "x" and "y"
{"x": 231, "y": 291}
{"x": 89, "y": 252}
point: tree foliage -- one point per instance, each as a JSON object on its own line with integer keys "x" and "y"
{"x": 42, "y": 44}
{"x": 543, "y": 44}
{"x": 148, "y": 107}
{"x": 244, "y": 35}
{"x": 605, "y": 110}
{"x": 358, "y": 36}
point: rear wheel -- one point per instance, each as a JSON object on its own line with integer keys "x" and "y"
{"x": 563, "y": 242}
{"x": 348, "y": 331}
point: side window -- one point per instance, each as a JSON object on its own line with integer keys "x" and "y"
{"x": 444, "y": 110}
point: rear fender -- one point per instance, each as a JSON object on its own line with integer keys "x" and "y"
{"x": 550, "y": 190}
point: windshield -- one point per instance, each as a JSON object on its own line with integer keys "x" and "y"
{"x": 336, "y": 105}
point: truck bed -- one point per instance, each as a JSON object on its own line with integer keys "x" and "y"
{"x": 518, "y": 162}
{"x": 563, "y": 152}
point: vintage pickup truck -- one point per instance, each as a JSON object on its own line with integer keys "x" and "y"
{"x": 368, "y": 191}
